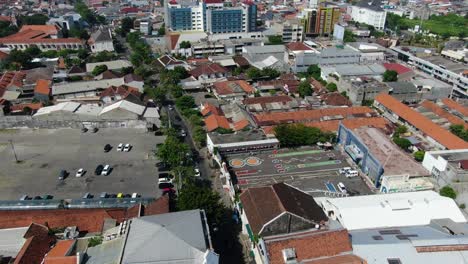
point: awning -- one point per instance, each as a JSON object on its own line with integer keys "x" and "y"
{"x": 249, "y": 231}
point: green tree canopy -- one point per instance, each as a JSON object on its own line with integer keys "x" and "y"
{"x": 459, "y": 131}
{"x": 6, "y": 29}
{"x": 448, "y": 191}
{"x": 172, "y": 151}
{"x": 331, "y": 87}
{"x": 304, "y": 89}
{"x": 402, "y": 142}
{"x": 99, "y": 69}
{"x": 185, "y": 102}
{"x": 390, "y": 76}
{"x": 275, "y": 40}
{"x": 419, "y": 155}
{"x": 35, "y": 19}
{"x": 348, "y": 36}
{"x": 126, "y": 26}
{"x": 314, "y": 71}
{"x": 294, "y": 135}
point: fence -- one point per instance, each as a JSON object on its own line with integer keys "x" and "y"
{"x": 29, "y": 122}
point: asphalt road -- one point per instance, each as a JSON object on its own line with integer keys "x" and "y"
{"x": 43, "y": 153}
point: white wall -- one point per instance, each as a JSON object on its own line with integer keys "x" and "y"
{"x": 368, "y": 16}
{"x": 102, "y": 46}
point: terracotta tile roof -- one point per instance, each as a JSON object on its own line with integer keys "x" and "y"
{"x": 198, "y": 61}
{"x": 241, "y": 61}
{"x": 210, "y": 109}
{"x": 335, "y": 99}
{"x": 5, "y": 18}
{"x": 11, "y": 78}
{"x": 37, "y": 34}
{"x": 232, "y": 87}
{"x": 38, "y": 242}
{"x": 61, "y": 63}
{"x": 122, "y": 91}
{"x": 298, "y": 46}
{"x": 208, "y": 69}
{"x": 265, "y": 119}
{"x": 47, "y": 29}
{"x": 422, "y": 123}
{"x": 42, "y": 87}
{"x": 20, "y": 107}
{"x": 317, "y": 86}
{"x": 61, "y": 248}
{"x": 442, "y": 113}
{"x": 267, "y": 99}
{"x": 61, "y": 260}
{"x": 127, "y": 10}
{"x": 173, "y": 38}
{"x": 3, "y": 55}
{"x": 280, "y": 84}
{"x": 214, "y": 122}
{"x": 241, "y": 124}
{"x": 263, "y": 204}
{"x": 455, "y": 106}
{"x": 308, "y": 245}
{"x": 159, "y": 206}
{"x": 400, "y": 69}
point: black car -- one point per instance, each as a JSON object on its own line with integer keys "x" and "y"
{"x": 62, "y": 175}
{"x": 107, "y": 148}
{"x": 95, "y": 129}
{"x": 99, "y": 169}
{"x": 165, "y": 185}
{"x": 37, "y": 198}
{"x": 84, "y": 130}
{"x": 47, "y": 197}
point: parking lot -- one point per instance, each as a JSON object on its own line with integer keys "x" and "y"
{"x": 312, "y": 170}
{"x": 42, "y": 154}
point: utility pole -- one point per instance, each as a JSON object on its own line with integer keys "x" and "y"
{"x": 13, "y": 148}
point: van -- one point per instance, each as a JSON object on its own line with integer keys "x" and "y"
{"x": 106, "y": 170}
{"x": 341, "y": 187}
{"x": 351, "y": 173}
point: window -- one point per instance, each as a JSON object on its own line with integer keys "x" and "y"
{"x": 377, "y": 237}
{"x": 394, "y": 261}
{"x": 405, "y": 237}
{"x": 390, "y": 232}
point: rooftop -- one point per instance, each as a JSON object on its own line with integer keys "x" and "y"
{"x": 263, "y": 204}
{"x": 239, "y": 136}
{"x": 11, "y": 241}
{"x": 394, "y": 160}
{"x": 391, "y": 210}
{"x": 426, "y": 126}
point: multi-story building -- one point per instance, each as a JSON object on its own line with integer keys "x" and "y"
{"x": 321, "y": 21}
{"x": 290, "y": 30}
{"x": 443, "y": 69}
{"x": 369, "y": 12}
{"x": 211, "y": 16}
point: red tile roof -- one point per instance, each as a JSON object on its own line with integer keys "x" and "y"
{"x": 36, "y": 246}
{"x": 159, "y": 206}
{"x": 20, "y": 107}
{"x": 239, "y": 125}
{"x": 3, "y": 55}
{"x": 317, "y": 86}
{"x": 232, "y": 87}
{"x": 210, "y": 109}
{"x": 422, "y": 123}
{"x": 5, "y": 18}
{"x": 42, "y": 87}
{"x": 208, "y": 69}
{"x": 214, "y": 122}
{"x": 400, "y": 69}
{"x": 265, "y": 119}
{"x": 213, "y": 1}
{"x": 122, "y": 90}
{"x": 454, "y": 120}
{"x": 308, "y": 245}
{"x": 11, "y": 78}
{"x": 127, "y": 10}
{"x": 342, "y": 259}
{"x": 335, "y": 99}
{"x": 298, "y": 46}
{"x": 61, "y": 63}
{"x": 47, "y": 29}
{"x": 455, "y": 106}
{"x": 37, "y": 34}
{"x": 173, "y": 39}
{"x": 61, "y": 253}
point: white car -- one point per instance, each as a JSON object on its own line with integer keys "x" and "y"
{"x": 106, "y": 170}
{"x": 134, "y": 195}
{"x": 197, "y": 172}
{"x": 80, "y": 172}
{"x": 344, "y": 170}
{"x": 127, "y": 147}
{"x": 120, "y": 147}
{"x": 341, "y": 187}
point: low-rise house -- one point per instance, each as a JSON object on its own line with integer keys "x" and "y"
{"x": 209, "y": 72}
{"x": 404, "y": 73}
{"x": 83, "y": 89}
{"x": 232, "y": 90}
{"x": 42, "y": 90}
{"x": 270, "y": 103}
{"x": 391, "y": 210}
{"x": 101, "y": 40}
{"x": 271, "y": 56}
{"x": 168, "y": 62}
{"x": 117, "y": 93}
{"x": 11, "y": 84}
{"x": 353, "y": 70}
{"x": 37, "y": 244}
{"x": 111, "y": 65}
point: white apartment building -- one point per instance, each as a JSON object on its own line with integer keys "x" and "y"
{"x": 369, "y": 12}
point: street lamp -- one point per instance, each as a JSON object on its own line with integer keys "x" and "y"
{"x": 13, "y": 148}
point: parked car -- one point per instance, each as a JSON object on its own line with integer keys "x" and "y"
{"x": 84, "y": 130}
{"x": 120, "y": 195}
{"x": 107, "y": 148}
{"x": 80, "y": 172}
{"x": 170, "y": 107}
{"x": 135, "y": 195}
{"x": 120, "y": 147}
{"x": 168, "y": 191}
{"x": 127, "y": 147}
{"x": 164, "y": 177}
{"x": 24, "y": 197}
{"x": 183, "y": 133}
{"x": 344, "y": 170}
{"x": 165, "y": 185}
{"x": 341, "y": 187}
{"x": 103, "y": 195}
{"x": 352, "y": 173}
{"x": 47, "y": 197}
{"x": 95, "y": 129}
{"x": 197, "y": 172}
{"x": 62, "y": 175}
{"x": 107, "y": 169}
{"x": 37, "y": 197}
{"x": 87, "y": 196}
{"x": 99, "y": 169}
{"x": 112, "y": 195}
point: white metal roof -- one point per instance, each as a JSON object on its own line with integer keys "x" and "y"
{"x": 111, "y": 65}
{"x": 126, "y": 105}
{"x": 79, "y": 87}
{"x": 11, "y": 241}
{"x": 388, "y": 210}
{"x": 65, "y": 106}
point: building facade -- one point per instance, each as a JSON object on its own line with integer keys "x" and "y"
{"x": 211, "y": 16}
{"x": 321, "y": 21}
{"x": 370, "y": 13}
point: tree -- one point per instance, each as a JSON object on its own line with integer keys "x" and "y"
{"x": 185, "y": 102}
{"x": 401, "y": 129}
{"x": 304, "y": 89}
{"x": 275, "y": 40}
{"x": 36, "y": 19}
{"x": 6, "y": 29}
{"x": 78, "y": 32}
{"x": 172, "y": 151}
{"x": 402, "y": 142}
{"x": 448, "y": 191}
{"x": 459, "y": 131}
{"x": 176, "y": 90}
{"x": 253, "y": 73}
{"x": 331, "y": 87}
{"x": 162, "y": 30}
{"x": 314, "y": 71}
{"x": 33, "y": 51}
{"x": 99, "y": 69}
{"x": 185, "y": 44}
{"x": 294, "y": 135}
{"x": 270, "y": 73}
{"x": 390, "y": 76}
{"x": 348, "y": 36}
{"x": 126, "y": 26}
{"x": 197, "y": 194}
{"x": 419, "y": 155}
